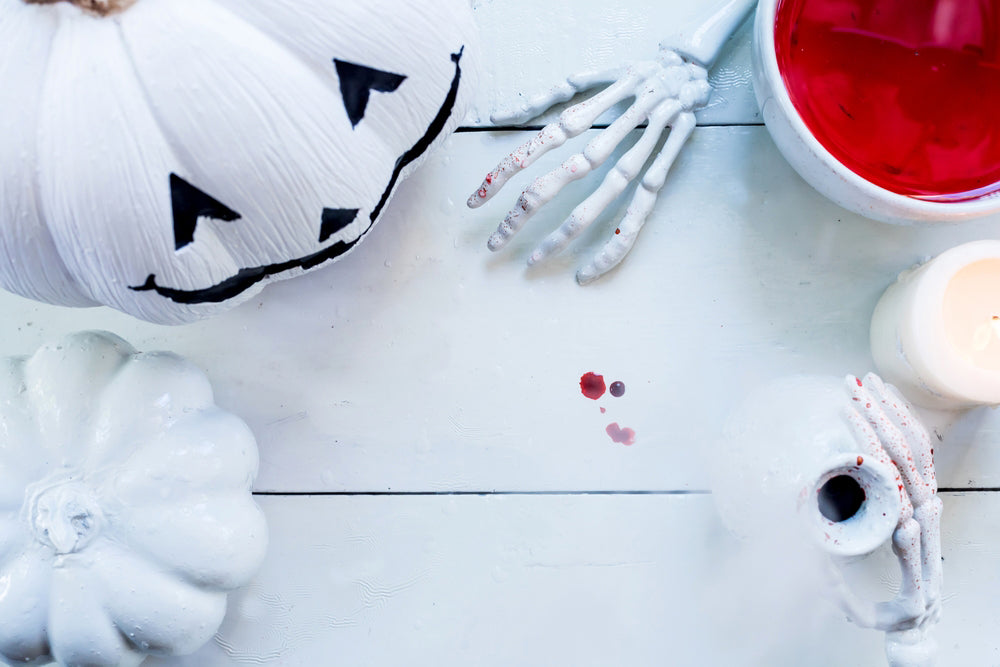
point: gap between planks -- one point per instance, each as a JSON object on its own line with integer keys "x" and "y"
{"x": 601, "y": 126}
{"x": 692, "y": 492}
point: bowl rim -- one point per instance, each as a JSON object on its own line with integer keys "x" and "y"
{"x": 909, "y": 207}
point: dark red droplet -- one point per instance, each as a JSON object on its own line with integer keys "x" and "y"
{"x": 592, "y": 385}
{"x": 617, "y": 388}
{"x": 904, "y": 93}
{"x": 625, "y": 436}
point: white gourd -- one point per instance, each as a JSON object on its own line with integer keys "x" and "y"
{"x": 169, "y": 158}
{"x": 125, "y": 507}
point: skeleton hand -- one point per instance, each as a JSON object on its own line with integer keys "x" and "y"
{"x": 666, "y": 92}
{"x": 884, "y": 425}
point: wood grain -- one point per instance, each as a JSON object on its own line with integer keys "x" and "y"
{"x": 575, "y": 580}
{"x": 424, "y": 363}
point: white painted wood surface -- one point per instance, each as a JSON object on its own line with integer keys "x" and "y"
{"x": 577, "y": 580}
{"x": 421, "y": 364}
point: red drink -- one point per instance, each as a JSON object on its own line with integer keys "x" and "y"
{"x": 905, "y": 93}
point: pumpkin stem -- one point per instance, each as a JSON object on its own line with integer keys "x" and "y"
{"x": 98, "y": 7}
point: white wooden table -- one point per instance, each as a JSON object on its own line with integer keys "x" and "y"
{"x": 438, "y": 489}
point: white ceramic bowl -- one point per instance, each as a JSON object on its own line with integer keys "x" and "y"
{"x": 818, "y": 167}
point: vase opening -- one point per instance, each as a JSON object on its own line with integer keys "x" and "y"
{"x": 840, "y": 498}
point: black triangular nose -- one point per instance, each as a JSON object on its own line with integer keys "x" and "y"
{"x": 189, "y": 203}
{"x": 356, "y": 84}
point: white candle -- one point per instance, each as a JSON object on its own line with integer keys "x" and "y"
{"x": 935, "y": 333}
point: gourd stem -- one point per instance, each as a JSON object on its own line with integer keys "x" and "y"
{"x": 98, "y": 7}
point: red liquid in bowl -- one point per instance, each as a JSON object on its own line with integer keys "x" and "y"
{"x": 904, "y": 93}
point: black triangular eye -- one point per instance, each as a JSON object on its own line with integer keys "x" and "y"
{"x": 356, "y": 84}
{"x": 189, "y": 203}
{"x": 335, "y": 219}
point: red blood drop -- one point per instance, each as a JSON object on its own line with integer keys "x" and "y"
{"x": 592, "y": 385}
{"x": 905, "y": 93}
{"x": 625, "y": 436}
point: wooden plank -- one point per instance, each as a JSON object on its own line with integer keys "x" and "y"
{"x": 423, "y": 363}
{"x": 570, "y": 580}
{"x": 530, "y": 46}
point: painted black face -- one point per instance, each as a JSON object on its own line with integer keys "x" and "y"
{"x": 190, "y": 203}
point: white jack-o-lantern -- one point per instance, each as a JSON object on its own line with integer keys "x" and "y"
{"x": 168, "y": 158}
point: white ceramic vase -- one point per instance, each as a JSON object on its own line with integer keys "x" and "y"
{"x": 789, "y": 460}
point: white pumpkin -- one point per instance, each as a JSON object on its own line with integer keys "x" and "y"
{"x": 125, "y": 505}
{"x": 169, "y": 158}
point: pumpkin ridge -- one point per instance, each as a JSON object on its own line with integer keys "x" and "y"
{"x": 164, "y": 388}
{"x": 61, "y": 375}
{"x": 122, "y": 570}
{"x": 74, "y": 195}
{"x": 34, "y": 267}
{"x": 233, "y": 556}
{"x": 33, "y": 567}
{"x": 190, "y": 168}
{"x": 177, "y": 149}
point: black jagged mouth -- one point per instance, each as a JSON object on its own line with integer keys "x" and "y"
{"x": 246, "y": 278}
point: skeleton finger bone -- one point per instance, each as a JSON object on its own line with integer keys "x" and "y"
{"x": 903, "y": 612}
{"x": 864, "y": 434}
{"x": 892, "y": 441}
{"x": 880, "y": 418}
{"x": 572, "y": 122}
{"x": 908, "y": 608}
{"x": 546, "y": 187}
{"x": 913, "y": 430}
{"x": 888, "y": 616}
{"x": 563, "y": 92}
{"x": 615, "y": 250}
{"x": 928, "y": 513}
{"x": 668, "y": 87}
{"x": 617, "y": 180}
{"x": 928, "y": 516}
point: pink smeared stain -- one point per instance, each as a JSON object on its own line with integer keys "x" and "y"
{"x": 592, "y": 385}
{"x": 603, "y": 410}
{"x": 625, "y": 436}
